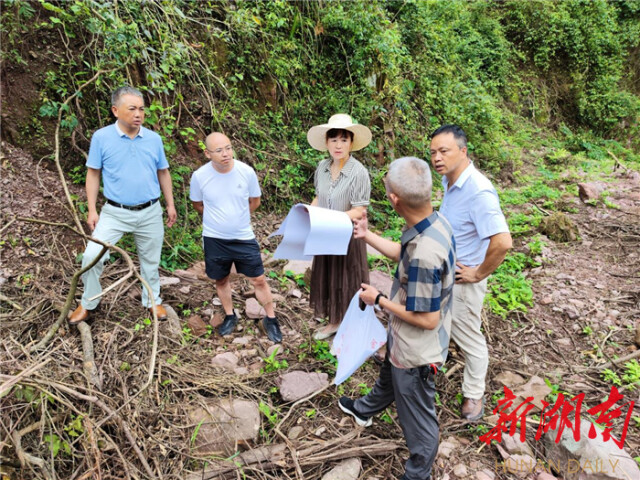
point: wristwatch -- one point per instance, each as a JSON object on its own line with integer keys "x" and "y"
{"x": 376, "y": 303}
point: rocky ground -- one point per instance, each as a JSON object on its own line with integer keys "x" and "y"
{"x": 156, "y": 399}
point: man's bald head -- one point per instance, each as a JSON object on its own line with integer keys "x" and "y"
{"x": 219, "y": 151}
{"x": 216, "y": 138}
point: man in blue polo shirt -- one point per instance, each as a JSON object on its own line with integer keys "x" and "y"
{"x": 419, "y": 314}
{"x": 472, "y": 206}
{"x": 131, "y": 161}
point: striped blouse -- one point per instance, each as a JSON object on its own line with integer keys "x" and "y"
{"x": 351, "y": 189}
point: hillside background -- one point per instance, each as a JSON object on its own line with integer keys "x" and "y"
{"x": 558, "y": 78}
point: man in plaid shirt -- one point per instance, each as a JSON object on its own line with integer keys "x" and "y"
{"x": 419, "y": 314}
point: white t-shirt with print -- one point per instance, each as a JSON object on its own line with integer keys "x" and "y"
{"x": 226, "y": 200}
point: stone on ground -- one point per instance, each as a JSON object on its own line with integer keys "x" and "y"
{"x": 253, "y": 309}
{"x": 513, "y": 445}
{"x": 346, "y": 470}
{"x": 589, "y": 191}
{"x": 298, "y": 267}
{"x": 297, "y": 384}
{"x": 226, "y": 360}
{"x": 197, "y": 325}
{"x": 536, "y": 388}
{"x": 222, "y": 424}
{"x": 509, "y": 379}
{"x": 460, "y": 470}
{"x": 588, "y": 459}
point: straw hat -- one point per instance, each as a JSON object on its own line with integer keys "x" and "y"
{"x": 317, "y": 136}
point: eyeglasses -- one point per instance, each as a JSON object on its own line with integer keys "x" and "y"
{"x": 228, "y": 148}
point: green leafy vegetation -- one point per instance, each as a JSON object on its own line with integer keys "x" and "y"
{"x": 508, "y": 290}
{"x": 545, "y": 76}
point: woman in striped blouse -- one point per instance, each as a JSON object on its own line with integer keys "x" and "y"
{"x": 342, "y": 183}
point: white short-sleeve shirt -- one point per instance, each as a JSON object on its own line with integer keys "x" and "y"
{"x": 473, "y": 209}
{"x": 226, "y": 200}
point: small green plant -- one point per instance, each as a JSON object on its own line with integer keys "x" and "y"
{"x": 194, "y": 435}
{"x": 187, "y": 335}
{"x": 55, "y": 443}
{"x": 125, "y": 367}
{"x": 587, "y": 330}
{"x": 611, "y": 376}
{"x": 310, "y": 413}
{"x": 273, "y": 365}
{"x": 364, "y": 389}
{"x": 632, "y": 374}
{"x": 272, "y": 416}
{"x": 386, "y": 417}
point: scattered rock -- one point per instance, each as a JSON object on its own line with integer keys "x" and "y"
{"x": 216, "y": 320}
{"x": 242, "y": 340}
{"x": 241, "y": 371}
{"x": 546, "y": 300}
{"x": 197, "y": 325}
{"x": 273, "y": 348}
{"x": 295, "y": 432}
{"x": 513, "y": 445}
{"x": 536, "y": 388}
{"x": 446, "y": 448}
{"x": 589, "y": 191}
{"x": 460, "y": 470}
{"x": 509, "y": 379}
{"x": 564, "y": 341}
{"x": 253, "y": 309}
{"x": 298, "y": 267}
{"x": 320, "y": 431}
{"x": 485, "y": 475}
{"x": 224, "y": 423}
{"x": 226, "y": 360}
{"x": 545, "y": 476}
{"x": 193, "y": 273}
{"x": 164, "y": 281}
{"x": 520, "y": 465}
{"x": 297, "y": 384}
{"x": 172, "y": 325}
{"x": 346, "y": 470}
{"x": 185, "y": 290}
{"x": 571, "y": 312}
{"x": 588, "y": 459}
{"x": 295, "y": 292}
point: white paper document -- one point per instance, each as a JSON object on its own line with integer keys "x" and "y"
{"x": 309, "y": 231}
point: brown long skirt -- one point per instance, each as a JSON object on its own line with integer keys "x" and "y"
{"x": 336, "y": 278}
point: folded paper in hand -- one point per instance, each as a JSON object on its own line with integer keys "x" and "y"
{"x": 309, "y": 231}
{"x": 359, "y": 336}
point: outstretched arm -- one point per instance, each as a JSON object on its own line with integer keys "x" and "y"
{"x": 385, "y": 246}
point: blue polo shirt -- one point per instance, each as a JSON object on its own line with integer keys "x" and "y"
{"x": 473, "y": 209}
{"x": 129, "y": 166}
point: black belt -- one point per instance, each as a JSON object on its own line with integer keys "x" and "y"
{"x": 142, "y": 206}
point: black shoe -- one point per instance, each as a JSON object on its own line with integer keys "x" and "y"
{"x": 229, "y": 325}
{"x": 272, "y": 329}
{"x": 346, "y": 405}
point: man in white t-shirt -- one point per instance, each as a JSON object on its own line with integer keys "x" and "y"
{"x": 225, "y": 192}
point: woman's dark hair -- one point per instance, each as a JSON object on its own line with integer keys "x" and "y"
{"x": 339, "y": 132}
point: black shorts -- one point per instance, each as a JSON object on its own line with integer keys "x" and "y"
{"x": 220, "y": 254}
